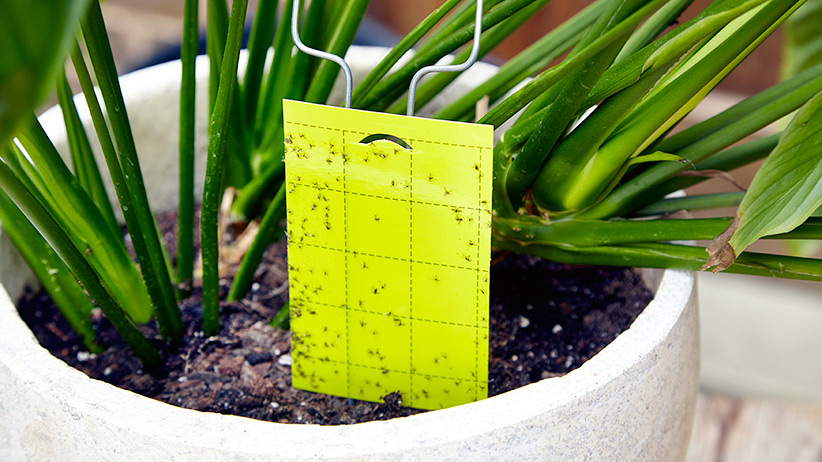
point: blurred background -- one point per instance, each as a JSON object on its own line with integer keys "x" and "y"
{"x": 761, "y": 396}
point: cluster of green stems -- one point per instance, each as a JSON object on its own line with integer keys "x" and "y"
{"x": 576, "y": 176}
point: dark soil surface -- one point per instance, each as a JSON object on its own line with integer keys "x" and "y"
{"x": 546, "y": 320}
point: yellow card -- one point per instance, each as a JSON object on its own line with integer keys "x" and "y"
{"x": 389, "y": 245}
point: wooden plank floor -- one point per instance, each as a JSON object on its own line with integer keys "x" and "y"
{"x": 729, "y": 429}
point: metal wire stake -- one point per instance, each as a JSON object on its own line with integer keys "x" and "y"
{"x": 412, "y": 90}
{"x": 295, "y": 34}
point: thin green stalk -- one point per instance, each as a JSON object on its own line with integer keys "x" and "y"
{"x": 311, "y": 31}
{"x": 463, "y": 15}
{"x": 340, "y": 38}
{"x": 25, "y": 171}
{"x": 691, "y": 203}
{"x": 150, "y": 252}
{"x": 400, "y": 49}
{"x": 624, "y": 197}
{"x": 240, "y": 134}
{"x": 61, "y": 243}
{"x": 574, "y": 89}
{"x": 648, "y": 31}
{"x": 725, "y": 161}
{"x": 82, "y": 221}
{"x": 265, "y": 236}
{"x": 514, "y": 103}
{"x": 262, "y": 33}
{"x": 680, "y": 40}
{"x": 185, "y": 211}
{"x": 579, "y": 148}
{"x": 281, "y": 319}
{"x": 390, "y": 88}
{"x": 526, "y": 63}
{"x": 216, "y": 29}
{"x": 249, "y": 197}
{"x": 50, "y": 270}
{"x": 294, "y": 80}
{"x": 217, "y": 147}
{"x": 673, "y": 256}
{"x": 276, "y": 81}
{"x": 489, "y": 40}
{"x": 802, "y": 85}
{"x": 82, "y": 157}
{"x": 593, "y": 233}
{"x": 677, "y": 94}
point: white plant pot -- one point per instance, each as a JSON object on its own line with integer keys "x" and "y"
{"x": 633, "y": 401}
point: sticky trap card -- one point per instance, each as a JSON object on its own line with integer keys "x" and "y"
{"x": 389, "y": 236}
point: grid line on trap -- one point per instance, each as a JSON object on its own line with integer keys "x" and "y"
{"x": 376, "y": 228}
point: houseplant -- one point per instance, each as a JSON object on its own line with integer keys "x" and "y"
{"x": 571, "y": 235}
{"x": 659, "y": 351}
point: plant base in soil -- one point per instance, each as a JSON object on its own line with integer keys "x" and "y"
{"x": 546, "y": 320}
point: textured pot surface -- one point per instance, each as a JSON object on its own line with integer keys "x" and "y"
{"x": 633, "y": 401}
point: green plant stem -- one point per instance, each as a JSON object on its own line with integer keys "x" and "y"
{"x": 281, "y": 319}
{"x": 799, "y": 88}
{"x": 341, "y": 35}
{"x": 579, "y": 148}
{"x": 185, "y": 211}
{"x": 82, "y": 157}
{"x": 303, "y": 65}
{"x": 649, "y": 30}
{"x": 212, "y": 190}
{"x": 624, "y": 197}
{"x": 50, "y": 270}
{"x": 489, "y": 40}
{"x": 73, "y": 209}
{"x": 573, "y": 90}
{"x": 514, "y": 103}
{"x": 682, "y": 39}
{"x": 725, "y": 161}
{"x": 400, "y": 49}
{"x": 266, "y": 235}
{"x": 593, "y": 233}
{"x": 390, "y": 88}
{"x": 144, "y": 234}
{"x": 216, "y": 30}
{"x": 293, "y": 81}
{"x": 526, "y": 63}
{"x": 250, "y": 196}
{"x": 679, "y": 92}
{"x": 262, "y": 33}
{"x": 61, "y": 243}
{"x": 673, "y": 256}
{"x": 240, "y": 135}
{"x": 691, "y": 203}
{"x": 276, "y": 84}
{"x": 25, "y": 171}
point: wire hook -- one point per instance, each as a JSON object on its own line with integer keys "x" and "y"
{"x": 412, "y": 90}
{"x": 295, "y": 35}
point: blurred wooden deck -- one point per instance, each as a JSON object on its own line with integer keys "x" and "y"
{"x": 730, "y": 429}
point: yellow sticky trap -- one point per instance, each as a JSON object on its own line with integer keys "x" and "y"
{"x": 389, "y": 254}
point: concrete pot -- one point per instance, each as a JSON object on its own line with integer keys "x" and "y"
{"x": 633, "y": 401}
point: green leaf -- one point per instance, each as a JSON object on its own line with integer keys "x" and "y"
{"x": 802, "y": 43}
{"x": 784, "y": 192}
{"x": 655, "y": 157}
{"x": 50, "y": 270}
{"x": 35, "y": 36}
